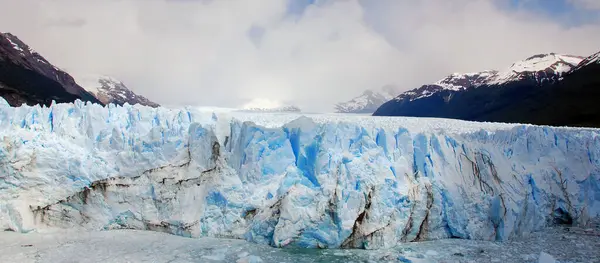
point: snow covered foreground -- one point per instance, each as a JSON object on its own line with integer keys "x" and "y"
{"x": 291, "y": 181}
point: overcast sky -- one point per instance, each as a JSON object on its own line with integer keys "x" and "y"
{"x": 309, "y": 53}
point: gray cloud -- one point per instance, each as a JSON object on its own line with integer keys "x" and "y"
{"x": 68, "y": 22}
{"x": 227, "y": 53}
{"x": 586, "y": 4}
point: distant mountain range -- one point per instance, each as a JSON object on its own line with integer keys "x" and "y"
{"x": 543, "y": 68}
{"x": 369, "y": 101}
{"x": 110, "y": 90}
{"x": 26, "y": 77}
{"x": 548, "y": 89}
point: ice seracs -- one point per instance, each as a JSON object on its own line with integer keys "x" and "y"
{"x": 290, "y": 180}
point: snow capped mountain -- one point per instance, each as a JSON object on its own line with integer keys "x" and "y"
{"x": 27, "y": 77}
{"x": 110, "y": 90}
{"x": 543, "y": 67}
{"x": 543, "y": 89}
{"x": 367, "y": 102}
{"x": 540, "y": 68}
{"x": 458, "y": 81}
{"x": 454, "y": 82}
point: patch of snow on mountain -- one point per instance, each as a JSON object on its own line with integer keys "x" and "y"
{"x": 369, "y": 101}
{"x": 15, "y": 45}
{"x": 542, "y": 62}
{"x": 110, "y": 90}
{"x": 558, "y": 64}
{"x": 552, "y": 64}
{"x": 459, "y": 81}
{"x": 595, "y": 58}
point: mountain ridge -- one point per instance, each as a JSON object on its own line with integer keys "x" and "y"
{"x": 543, "y": 67}
{"x": 538, "y": 95}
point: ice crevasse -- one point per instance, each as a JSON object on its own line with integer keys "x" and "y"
{"x": 287, "y": 180}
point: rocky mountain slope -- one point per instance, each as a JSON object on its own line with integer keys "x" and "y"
{"x": 545, "y": 89}
{"x": 367, "y": 102}
{"x": 27, "y": 77}
{"x": 110, "y": 90}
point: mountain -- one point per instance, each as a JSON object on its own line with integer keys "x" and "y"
{"x": 27, "y": 77}
{"x": 541, "y": 69}
{"x": 110, "y": 90}
{"x": 454, "y": 82}
{"x": 367, "y": 102}
{"x": 545, "y": 89}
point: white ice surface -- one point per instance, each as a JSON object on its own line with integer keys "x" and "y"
{"x": 290, "y": 180}
{"x": 144, "y": 246}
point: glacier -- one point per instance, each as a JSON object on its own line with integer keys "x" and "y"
{"x": 290, "y": 180}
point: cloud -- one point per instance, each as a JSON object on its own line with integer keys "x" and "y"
{"x": 312, "y": 54}
{"x": 586, "y": 4}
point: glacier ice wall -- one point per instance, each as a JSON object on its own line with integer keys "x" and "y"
{"x": 288, "y": 180}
